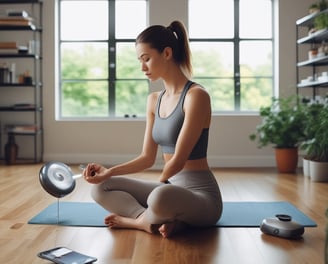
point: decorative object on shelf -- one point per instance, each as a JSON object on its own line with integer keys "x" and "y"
{"x": 313, "y": 52}
{"x": 282, "y": 126}
{"x": 11, "y": 150}
{"x": 322, "y": 49}
{"x": 314, "y": 8}
{"x": 323, "y": 77}
{"x": 318, "y": 6}
{"x": 28, "y": 78}
{"x": 21, "y": 129}
{"x": 7, "y": 74}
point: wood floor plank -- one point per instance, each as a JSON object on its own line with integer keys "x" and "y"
{"x": 21, "y": 197}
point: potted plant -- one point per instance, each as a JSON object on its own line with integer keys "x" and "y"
{"x": 283, "y": 127}
{"x": 317, "y": 7}
{"x": 321, "y": 21}
{"x": 316, "y": 141}
{"x": 311, "y": 110}
{"x": 314, "y": 8}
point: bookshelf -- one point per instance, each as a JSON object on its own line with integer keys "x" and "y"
{"x": 21, "y": 87}
{"x": 311, "y": 69}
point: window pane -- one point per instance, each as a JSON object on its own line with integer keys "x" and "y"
{"x": 255, "y": 18}
{"x": 84, "y": 99}
{"x": 221, "y": 92}
{"x": 130, "y": 18}
{"x": 84, "y": 60}
{"x": 131, "y": 97}
{"x": 237, "y": 73}
{"x": 212, "y": 59}
{"x": 256, "y": 74}
{"x": 127, "y": 65}
{"x": 256, "y": 58}
{"x": 84, "y": 20}
{"x": 255, "y": 92}
{"x": 211, "y": 18}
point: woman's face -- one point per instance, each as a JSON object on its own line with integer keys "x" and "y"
{"x": 152, "y": 62}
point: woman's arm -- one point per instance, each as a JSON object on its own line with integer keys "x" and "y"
{"x": 197, "y": 108}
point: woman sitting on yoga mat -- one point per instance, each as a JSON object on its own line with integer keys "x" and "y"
{"x": 178, "y": 119}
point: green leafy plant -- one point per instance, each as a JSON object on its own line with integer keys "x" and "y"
{"x": 316, "y": 132}
{"x": 282, "y": 124}
{"x": 321, "y": 5}
{"x": 321, "y": 21}
{"x": 314, "y": 6}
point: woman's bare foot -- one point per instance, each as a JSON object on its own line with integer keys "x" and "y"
{"x": 117, "y": 221}
{"x": 171, "y": 228}
{"x": 166, "y": 230}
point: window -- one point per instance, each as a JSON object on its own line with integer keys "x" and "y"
{"x": 232, "y": 48}
{"x": 100, "y": 75}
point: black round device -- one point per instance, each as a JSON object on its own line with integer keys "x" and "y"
{"x": 282, "y": 226}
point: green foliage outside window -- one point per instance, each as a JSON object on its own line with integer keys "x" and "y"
{"x": 85, "y": 82}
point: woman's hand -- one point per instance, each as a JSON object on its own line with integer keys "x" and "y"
{"x": 95, "y": 173}
{"x": 163, "y": 179}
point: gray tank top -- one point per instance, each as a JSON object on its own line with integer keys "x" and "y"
{"x": 166, "y": 130}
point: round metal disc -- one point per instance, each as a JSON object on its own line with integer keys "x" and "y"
{"x": 57, "y": 179}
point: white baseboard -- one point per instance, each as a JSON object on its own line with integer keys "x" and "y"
{"x": 214, "y": 161}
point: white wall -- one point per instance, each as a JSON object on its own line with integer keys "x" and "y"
{"x": 111, "y": 142}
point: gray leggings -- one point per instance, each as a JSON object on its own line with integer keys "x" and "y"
{"x": 193, "y": 197}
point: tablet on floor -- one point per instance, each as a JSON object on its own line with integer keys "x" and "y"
{"x": 63, "y": 255}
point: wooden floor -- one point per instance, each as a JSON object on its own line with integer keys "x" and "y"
{"x": 22, "y": 197}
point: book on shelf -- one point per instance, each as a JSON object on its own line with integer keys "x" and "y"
{"x": 19, "y": 107}
{"x": 21, "y": 128}
{"x": 16, "y": 18}
{"x": 19, "y": 13}
{"x": 8, "y": 47}
{"x": 24, "y": 23}
{"x": 23, "y": 106}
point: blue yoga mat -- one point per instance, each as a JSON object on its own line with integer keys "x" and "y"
{"x": 235, "y": 214}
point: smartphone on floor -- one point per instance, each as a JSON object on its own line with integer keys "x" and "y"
{"x": 63, "y": 255}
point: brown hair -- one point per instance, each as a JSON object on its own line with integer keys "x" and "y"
{"x": 174, "y": 36}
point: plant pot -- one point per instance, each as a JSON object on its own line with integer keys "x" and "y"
{"x": 319, "y": 171}
{"x": 306, "y": 167}
{"x": 314, "y": 10}
{"x": 286, "y": 159}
